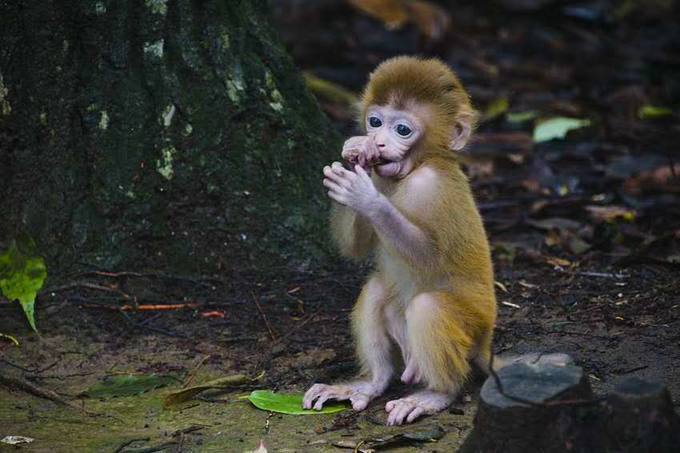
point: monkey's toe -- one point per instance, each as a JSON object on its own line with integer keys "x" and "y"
{"x": 413, "y": 406}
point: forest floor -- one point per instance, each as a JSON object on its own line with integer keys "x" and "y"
{"x": 585, "y": 235}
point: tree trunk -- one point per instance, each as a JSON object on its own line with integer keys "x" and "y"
{"x": 167, "y": 134}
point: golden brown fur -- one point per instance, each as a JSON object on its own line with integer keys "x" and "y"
{"x": 448, "y": 301}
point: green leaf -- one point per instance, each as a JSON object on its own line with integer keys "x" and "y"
{"x": 557, "y": 128}
{"x": 652, "y": 112}
{"x": 22, "y": 274}
{"x": 130, "y": 385}
{"x": 496, "y": 108}
{"x": 186, "y": 394}
{"x": 521, "y": 117}
{"x": 289, "y": 403}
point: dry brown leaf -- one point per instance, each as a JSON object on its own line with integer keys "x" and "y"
{"x": 555, "y": 261}
{"x": 662, "y": 179}
{"x": 393, "y": 13}
{"x": 431, "y": 20}
{"x": 611, "y": 213}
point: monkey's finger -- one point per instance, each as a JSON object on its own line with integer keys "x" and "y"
{"x": 417, "y": 412}
{"x": 311, "y": 395}
{"x": 390, "y": 405}
{"x": 342, "y": 171}
{"x": 337, "y": 197}
{"x": 332, "y": 185}
{"x": 323, "y": 398}
{"x": 361, "y": 172}
{"x": 335, "y": 177}
{"x": 362, "y": 160}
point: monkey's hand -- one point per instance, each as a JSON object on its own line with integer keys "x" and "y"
{"x": 358, "y": 393}
{"x": 354, "y": 190}
{"x": 361, "y": 150}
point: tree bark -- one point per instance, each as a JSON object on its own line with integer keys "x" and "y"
{"x": 165, "y": 134}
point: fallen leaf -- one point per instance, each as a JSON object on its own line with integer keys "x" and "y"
{"x": 501, "y": 286}
{"x": 213, "y": 314}
{"x": 432, "y": 20}
{"x": 557, "y": 262}
{"x": 577, "y": 245}
{"x": 559, "y": 223}
{"x": 653, "y": 112}
{"x": 496, "y": 108}
{"x": 9, "y": 338}
{"x": 611, "y": 213}
{"x": 130, "y": 385}
{"x": 22, "y": 274}
{"x": 16, "y": 440}
{"x": 392, "y": 13}
{"x": 662, "y": 179}
{"x": 188, "y": 393}
{"x": 329, "y": 91}
{"x": 520, "y": 117}
{"x": 407, "y": 438}
{"x": 288, "y": 403}
{"x": 557, "y": 128}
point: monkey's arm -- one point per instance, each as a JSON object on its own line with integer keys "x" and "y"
{"x": 357, "y": 192}
{"x": 400, "y": 233}
{"x": 352, "y": 232}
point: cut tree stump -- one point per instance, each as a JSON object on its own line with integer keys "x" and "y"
{"x": 546, "y": 405}
{"x": 639, "y": 417}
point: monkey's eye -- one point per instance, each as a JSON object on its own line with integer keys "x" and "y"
{"x": 374, "y": 121}
{"x": 403, "y": 130}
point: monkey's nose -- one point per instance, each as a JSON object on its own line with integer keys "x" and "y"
{"x": 380, "y": 145}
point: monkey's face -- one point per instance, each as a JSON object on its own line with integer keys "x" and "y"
{"x": 395, "y": 132}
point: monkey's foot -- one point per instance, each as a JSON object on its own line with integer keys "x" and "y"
{"x": 358, "y": 393}
{"x": 413, "y": 406}
{"x": 411, "y": 374}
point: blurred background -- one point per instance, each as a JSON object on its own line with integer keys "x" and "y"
{"x": 601, "y": 77}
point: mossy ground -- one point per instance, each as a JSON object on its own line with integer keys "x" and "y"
{"x": 141, "y": 421}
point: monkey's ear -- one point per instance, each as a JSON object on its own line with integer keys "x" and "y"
{"x": 462, "y": 130}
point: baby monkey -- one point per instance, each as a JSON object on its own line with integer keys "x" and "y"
{"x": 430, "y": 298}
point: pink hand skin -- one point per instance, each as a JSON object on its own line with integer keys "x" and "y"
{"x": 361, "y": 150}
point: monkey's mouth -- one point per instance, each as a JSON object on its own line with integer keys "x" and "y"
{"x": 388, "y": 168}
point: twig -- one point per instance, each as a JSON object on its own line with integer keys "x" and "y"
{"x": 264, "y": 317}
{"x": 40, "y": 392}
{"x": 632, "y": 370}
{"x": 144, "y": 307}
{"x": 122, "y": 446}
{"x": 28, "y": 370}
{"x": 299, "y": 325}
{"x": 192, "y": 374}
{"x": 88, "y": 285}
{"x": 602, "y": 275}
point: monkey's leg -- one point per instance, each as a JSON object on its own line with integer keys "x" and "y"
{"x": 373, "y": 350}
{"x": 396, "y": 326}
{"x": 440, "y": 332}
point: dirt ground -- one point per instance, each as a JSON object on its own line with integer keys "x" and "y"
{"x": 624, "y": 322}
{"x": 585, "y": 235}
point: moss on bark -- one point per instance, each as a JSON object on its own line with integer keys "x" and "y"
{"x": 163, "y": 134}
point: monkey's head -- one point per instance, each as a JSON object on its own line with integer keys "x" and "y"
{"x": 414, "y": 107}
